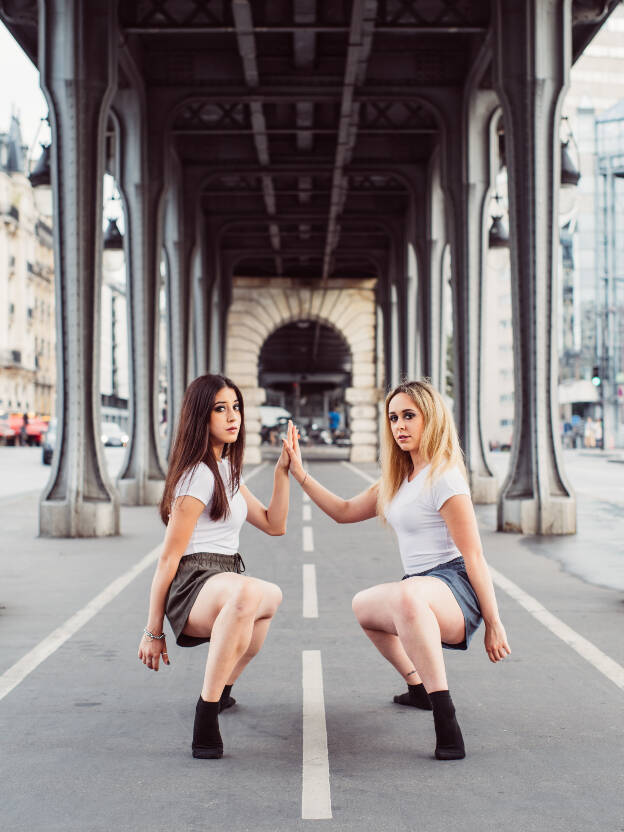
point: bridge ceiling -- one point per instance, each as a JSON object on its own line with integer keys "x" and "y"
{"x": 309, "y": 115}
{"x": 308, "y": 123}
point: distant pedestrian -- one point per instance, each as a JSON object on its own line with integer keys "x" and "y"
{"x": 24, "y": 430}
{"x": 334, "y": 421}
{"x": 589, "y": 434}
{"x": 198, "y": 582}
{"x": 423, "y": 493}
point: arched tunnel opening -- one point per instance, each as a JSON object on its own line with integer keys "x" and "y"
{"x": 305, "y": 367}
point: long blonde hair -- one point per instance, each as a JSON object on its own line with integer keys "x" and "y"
{"x": 439, "y": 444}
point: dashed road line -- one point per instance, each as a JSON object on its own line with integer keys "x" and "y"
{"x": 315, "y": 791}
{"x": 310, "y": 595}
{"x": 307, "y": 513}
{"x": 308, "y": 539}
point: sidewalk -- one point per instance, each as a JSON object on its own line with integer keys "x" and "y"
{"x": 91, "y": 741}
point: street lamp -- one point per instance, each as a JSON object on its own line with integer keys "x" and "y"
{"x": 570, "y": 174}
{"x": 113, "y": 256}
{"x": 498, "y": 236}
{"x": 41, "y": 181}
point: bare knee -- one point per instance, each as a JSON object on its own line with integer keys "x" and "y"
{"x": 360, "y": 605}
{"x": 245, "y": 600}
{"x": 272, "y": 599}
{"x": 411, "y": 601}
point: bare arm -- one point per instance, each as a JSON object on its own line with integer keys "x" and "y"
{"x": 184, "y": 516}
{"x": 272, "y": 520}
{"x": 361, "y": 507}
{"x": 458, "y": 514}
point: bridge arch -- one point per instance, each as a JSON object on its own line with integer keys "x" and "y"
{"x": 349, "y": 309}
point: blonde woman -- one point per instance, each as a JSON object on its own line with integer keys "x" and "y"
{"x": 446, "y": 590}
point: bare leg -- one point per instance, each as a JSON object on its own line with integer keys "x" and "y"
{"x": 391, "y": 649}
{"x": 421, "y": 612}
{"x": 260, "y": 630}
{"x": 227, "y": 609}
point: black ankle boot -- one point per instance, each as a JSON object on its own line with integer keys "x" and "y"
{"x": 207, "y": 742}
{"x": 226, "y": 700}
{"x": 416, "y": 697}
{"x": 449, "y": 740}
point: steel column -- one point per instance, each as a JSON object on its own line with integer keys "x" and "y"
{"x": 142, "y": 179}
{"x": 78, "y": 76}
{"x": 532, "y": 59}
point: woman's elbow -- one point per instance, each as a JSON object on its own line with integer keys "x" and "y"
{"x": 341, "y": 515}
{"x": 277, "y": 531}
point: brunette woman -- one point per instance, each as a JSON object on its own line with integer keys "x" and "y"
{"x": 199, "y": 583}
{"x": 446, "y": 589}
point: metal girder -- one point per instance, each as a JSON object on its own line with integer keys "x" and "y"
{"x": 360, "y": 42}
{"x": 241, "y": 11}
{"x": 403, "y": 28}
{"x": 378, "y": 116}
{"x": 205, "y": 17}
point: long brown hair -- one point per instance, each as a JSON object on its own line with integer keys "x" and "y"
{"x": 192, "y": 444}
{"x": 439, "y": 445}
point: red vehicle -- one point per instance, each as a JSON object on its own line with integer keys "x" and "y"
{"x": 7, "y": 434}
{"x": 35, "y": 428}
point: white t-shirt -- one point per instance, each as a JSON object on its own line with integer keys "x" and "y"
{"x": 219, "y": 536}
{"x": 414, "y": 514}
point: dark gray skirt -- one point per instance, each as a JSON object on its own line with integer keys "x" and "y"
{"x": 193, "y": 572}
{"x": 454, "y": 575}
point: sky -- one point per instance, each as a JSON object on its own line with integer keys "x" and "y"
{"x": 20, "y": 93}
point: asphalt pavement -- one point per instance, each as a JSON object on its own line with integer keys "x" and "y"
{"x": 90, "y": 740}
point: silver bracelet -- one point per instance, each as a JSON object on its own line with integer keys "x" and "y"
{"x": 151, "y": 636}
{"x": 304, "y": 479}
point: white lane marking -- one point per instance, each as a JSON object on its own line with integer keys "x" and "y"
{"x": 21, "y": 669}
{"x": 306, "y": 497}
{"x": 315, "y": 792}
{"x": 310, "y": 596}
{"x": 308, "y": 539}
{"x": 605, "y": 664}
{"x": 363, "y": 474}
{"x": 254, "y": 471}
{"x": 307, "y": 512}
{"x": 31, "y": 660}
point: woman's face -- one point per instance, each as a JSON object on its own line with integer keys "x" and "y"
{"x": 225, "y": 418}
{"x": 406, "y": 422}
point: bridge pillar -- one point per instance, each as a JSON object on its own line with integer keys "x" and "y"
{"x": 466, "y": 183}
{"x": 78, "y": 76}
{"x": 179, "y": 239}
{"x": 435, "y": 366}
{"x": 141, "y": 179}
{"x": 532, "y": 57}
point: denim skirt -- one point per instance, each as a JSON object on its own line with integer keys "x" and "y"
{"x": 193, "y": 572}
{"x": 454, "y": 575}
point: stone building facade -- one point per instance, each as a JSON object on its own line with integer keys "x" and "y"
{"x": 27, "y": 317}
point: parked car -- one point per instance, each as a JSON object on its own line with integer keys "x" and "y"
{"x": 7, "y": 434}
{"x": 270, "y": 415}
{"x": 35, "y": 428}
{"x": 113, "y": 436}
{"x": 48, "y": 443}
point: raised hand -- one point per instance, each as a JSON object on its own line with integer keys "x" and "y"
{"x": 291, "y": 445}
{"x": 284, "y": 457}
